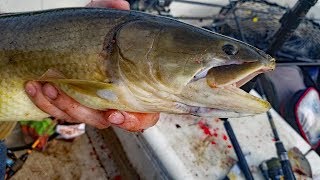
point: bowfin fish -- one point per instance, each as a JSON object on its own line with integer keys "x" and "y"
{"x": 125, "y": 60}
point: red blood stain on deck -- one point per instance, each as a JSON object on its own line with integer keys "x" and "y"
{"x": 224, "y": 137}
{"x": 215, "y": 134}
{"x": 205, "y": 128}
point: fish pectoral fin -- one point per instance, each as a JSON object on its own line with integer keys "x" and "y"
{"x": 88, "y": 87}
{"x": 52, "y": 74}
{"x": 90, "y": 93}
{"x": 84, "y": 86}
{"x": 6, "y": 128}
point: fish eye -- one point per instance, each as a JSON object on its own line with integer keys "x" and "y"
{"x": 230, "y": 49}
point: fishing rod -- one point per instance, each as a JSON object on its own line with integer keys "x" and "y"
{"x": 289, "y": 23}
{"x": 236, "y": 146}
{"x": 281, "y": 151}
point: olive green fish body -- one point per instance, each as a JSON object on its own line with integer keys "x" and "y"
{"x": 111, "y": 59}
{"x": 70, "y": 42}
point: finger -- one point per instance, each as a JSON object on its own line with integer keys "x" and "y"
{"x": 115, "y": 4}
{"x": 138, "y": 121}
{"x": 73, "y": 108}
{"x": 114, "y": 117}
{"x": 34, "y": 91}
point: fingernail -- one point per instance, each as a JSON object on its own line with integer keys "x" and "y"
{"x": 50, "y": 91}
{"x": 116, "y": 118}
{"x": 30, "y": 89}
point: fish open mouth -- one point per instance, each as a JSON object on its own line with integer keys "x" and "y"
{"x": 233, "y": 74}
{"x": 236, "y": 74}
{"x": 218, "y": 89}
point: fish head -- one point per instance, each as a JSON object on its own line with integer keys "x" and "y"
{"x": 201, "y": 70}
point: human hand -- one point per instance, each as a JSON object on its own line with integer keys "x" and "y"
{"x": 59, "y": 105}
{"x": 116, "y": 4}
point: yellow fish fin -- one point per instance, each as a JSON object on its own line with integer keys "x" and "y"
{"x": 94, "y": 94}
{"x": 52, "y": 73}
{"x": 83, "y": 86}
{"x": 6, "y": 128}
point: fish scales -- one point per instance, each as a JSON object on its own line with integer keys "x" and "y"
{"x": 32, "y": 44}
{"x": 122, "y": 60}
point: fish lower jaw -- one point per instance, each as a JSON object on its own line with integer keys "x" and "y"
{"x": 209, "y": 112}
